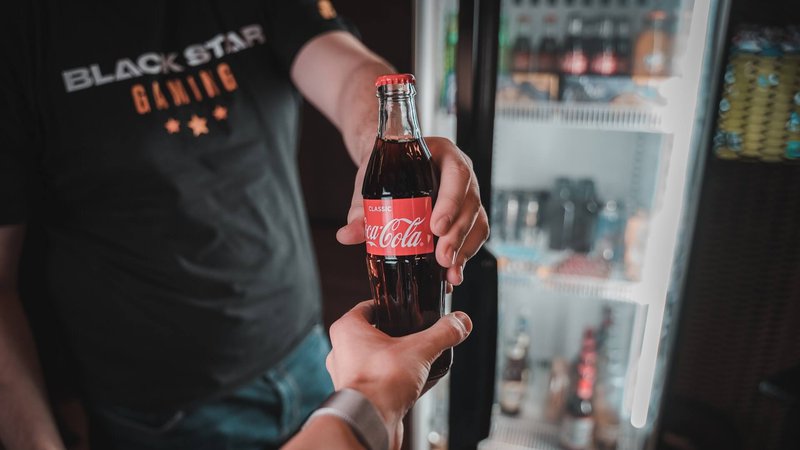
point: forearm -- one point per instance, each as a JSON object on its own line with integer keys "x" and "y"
{"x": 358, "y": 109}
{"x": 336, "y": 73}
{"x": 25, "y": 419}
{"x": 325, "y": 432}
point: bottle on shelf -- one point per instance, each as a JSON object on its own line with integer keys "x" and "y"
{"x": 574, "y": 60}
{"x": 623, "y": 46}
{"x": 562, "y": 214}
{"x": 530, "y": 228}
{"x": 522, "y": 50}
{"x": 586, "y": 209}
{"x": 547, "y": 54}
{"x": 609, "y": 383}
{"x": 653, "y": 49}
{"x": 497, "y": 221}
{"x": 577, "y": 425}
{"x": 511, "y": 217}
{"x": 513, "y": 385}
{"x": 635, "y": 240}
{"x": 557, "y": 390}
{"x": 606, "y": 321}
{"x": 591, "y": 38}
{"x": 604, "y": 58}
{"x": 608, "y": 232}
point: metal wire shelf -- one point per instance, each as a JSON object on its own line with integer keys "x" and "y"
{"x": 648, "y": 119}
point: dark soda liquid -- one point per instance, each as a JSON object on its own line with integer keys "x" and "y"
{"x": 408, "y": 290}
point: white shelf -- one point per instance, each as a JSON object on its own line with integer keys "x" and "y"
{"x": 597, "y": 116}
{"x": 537, "y": 273}
{"x": 510, "y": 433}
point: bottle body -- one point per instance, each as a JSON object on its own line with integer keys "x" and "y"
{"x": 562, "y": 217}
{"x": 547, "y": 54}
{"x": 514, "y": 379}
{"x": 605, "y": 60}
{"x": 586, "y": 209}
{"x": 574, "y": 59}
{"x": 400, "y": 186}
{"x": 577, "y": 426}
{"x": 623, "y": 47}
{"x": 653, "y": 48}
{"x": 522, "y": 51}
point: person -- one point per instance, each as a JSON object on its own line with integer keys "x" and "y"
{"x": 155, "y": 145}
{"x": 390, "y": 372}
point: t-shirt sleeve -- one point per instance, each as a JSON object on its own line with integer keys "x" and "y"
{"x": 292, "y": 23}
{"x": 17, "y": 129}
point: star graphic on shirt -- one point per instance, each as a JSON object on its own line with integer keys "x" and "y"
{"x": 220, "y": 113}
{"x": 198, "y": 125}
{"x": 172, "y": 126}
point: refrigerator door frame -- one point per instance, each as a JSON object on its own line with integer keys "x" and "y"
{"x": 672, "y": 225}
{"x": 476, "y": 81}
{"x": 711, "y": 79}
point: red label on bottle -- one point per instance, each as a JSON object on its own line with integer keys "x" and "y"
{"x": 398, "y": 227}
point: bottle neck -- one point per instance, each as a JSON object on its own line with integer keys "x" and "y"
{"x": 397, "y": 119}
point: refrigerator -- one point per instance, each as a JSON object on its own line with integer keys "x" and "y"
{"x": 587, "y": 123}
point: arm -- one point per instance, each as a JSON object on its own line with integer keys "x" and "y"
{"x": 336, "y": 73}
{"x": 390, "y": 372}
{"x": 326, "y": 432}
{"x": 25, "y": 420}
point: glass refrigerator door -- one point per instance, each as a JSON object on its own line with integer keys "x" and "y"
{"x": 436, "y": 24}
{"x": 597, "y": 114}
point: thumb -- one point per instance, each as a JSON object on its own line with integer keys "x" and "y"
{"x": 447, "y": 332}
{"x": 353, "y": 232}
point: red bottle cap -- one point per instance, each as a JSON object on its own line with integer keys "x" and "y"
{"x": 394, "y": 78}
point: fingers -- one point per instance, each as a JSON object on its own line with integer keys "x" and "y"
{"x": 447, "y": 332}
{"x": 454, "y": 182}
{"x": 458, "y": 203}
{"x": 472, "y": 243}
{"x": 360, "y": 317}
{"x": 362, "y": 313}
{"x": 353, "y": 232}
{"x": 449, "y": 245}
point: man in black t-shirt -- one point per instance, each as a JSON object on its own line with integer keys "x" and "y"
{"x": 156, "y": 141}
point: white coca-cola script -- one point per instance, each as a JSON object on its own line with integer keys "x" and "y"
{"x": 398, "y": 227}
{"x": 393, "y": 235}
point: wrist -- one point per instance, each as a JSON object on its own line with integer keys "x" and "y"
{"x": 360, "y": 413}
{"x": 382, "y": 401}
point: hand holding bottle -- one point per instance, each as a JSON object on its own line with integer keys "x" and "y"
{"x": 391, "y": 372}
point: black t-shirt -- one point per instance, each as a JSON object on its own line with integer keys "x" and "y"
{"x": 163, "y": 137}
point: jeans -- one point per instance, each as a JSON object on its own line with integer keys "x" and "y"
{"x": 260, "y": 415}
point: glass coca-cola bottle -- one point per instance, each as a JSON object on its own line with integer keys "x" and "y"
{"x": 399, "y": 191}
